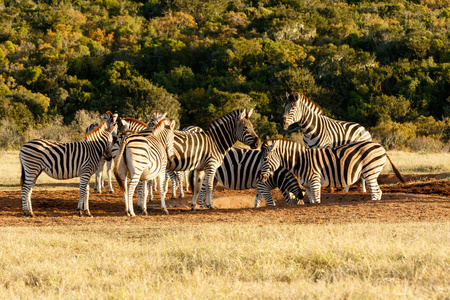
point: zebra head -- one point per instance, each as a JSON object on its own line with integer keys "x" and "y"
{"x": 244, "y": 130}
{"x": 164, "y": 131}
{"x": 155, "y": 118}
{"x": 103, "y": 136}
{"x": 270, "y": 159}
{"x": 292, "y": 110}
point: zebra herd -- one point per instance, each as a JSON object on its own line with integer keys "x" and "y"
{"x": 335, "y": 154}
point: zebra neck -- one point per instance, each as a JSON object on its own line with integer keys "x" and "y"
{"x": 309, "y": 123}
{"x": 222, "y": 136}
{"x": 290, "y": 156}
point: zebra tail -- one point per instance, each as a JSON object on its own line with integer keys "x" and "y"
{"x": 22, "y": 177}
{"x": 116, "y": 167}
{"x": 396, "y": 171}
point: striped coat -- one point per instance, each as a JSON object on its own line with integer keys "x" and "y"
{"x": 64, "y": 161}
{"x": 239, "y": 170}
{"x": 335, "y": 167}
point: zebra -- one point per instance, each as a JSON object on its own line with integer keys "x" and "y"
{"x": 204, "y": 151}
{"x": 144, "y": 156}
{"x": 64, "y": 161}
{"x": 110, "y": 118}
{"x": 336, "y": 167}
{"x": 319, "y": 130}
{"x": 239, "y": 169}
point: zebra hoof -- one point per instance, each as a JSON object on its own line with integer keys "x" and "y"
{"x": 212, "y": 207}
{"x": 165, "y": 211}
{"x": 193, "y": 208}
{"x": 29, "y": 214}
{"x": 144, "y": 212}
{"x": 111, "y": 192}
{"x": 79, "y": 212}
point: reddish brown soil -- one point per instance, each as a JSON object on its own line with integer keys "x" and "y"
{"x": 427, "y": 200}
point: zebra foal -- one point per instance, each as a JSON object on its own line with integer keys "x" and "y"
{"x": 64, "y": 161}
{"x": 335, "y": 167}
{"x": 144, "y": 156}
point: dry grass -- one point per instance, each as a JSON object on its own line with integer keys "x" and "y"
{"x": 358, "y": 261}
{"x": 419, "y": 163}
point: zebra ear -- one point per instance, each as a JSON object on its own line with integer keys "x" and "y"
{"x": 172, "y": 125}
{"x": 148, "y": 117}
{"x": 242, "y": 114}
{"x": 249, "y": 113}
{"x": 287, "y": 96}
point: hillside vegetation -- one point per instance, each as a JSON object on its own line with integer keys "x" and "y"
{"x": 384, "y": 64}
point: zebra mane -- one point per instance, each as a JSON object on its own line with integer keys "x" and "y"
{"x": 293, "y": 97}
{"x": 272, "y": 141}
{"x": 225, "y": 118}
{"x": 133, "y": 120}
{"x": 94, "y": 132}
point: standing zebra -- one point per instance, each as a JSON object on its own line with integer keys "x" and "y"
{"x": 336, "y": 167}
{"x": 110, "y": 118}
{"x": 320, "y": 131}
{"x": 145, "y": 157}
{"x": 64, "y": 161}
{"x": 239, "y": 169}
{"x": 204, "y": 151}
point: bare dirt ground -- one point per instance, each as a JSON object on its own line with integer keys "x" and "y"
{"x": 423, "y": 198}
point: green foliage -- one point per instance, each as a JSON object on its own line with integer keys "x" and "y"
{"x": 371, "y": 62}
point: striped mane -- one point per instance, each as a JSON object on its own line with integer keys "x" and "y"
{"x": 225, "y": 118}
{"x": 306, "y": 101}
{"x": 90, "y": 136}
{"x": 133, "y": 120}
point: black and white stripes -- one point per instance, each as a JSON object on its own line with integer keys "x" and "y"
{"x": 64, "y": 161}
{"x": 335, "y": 167}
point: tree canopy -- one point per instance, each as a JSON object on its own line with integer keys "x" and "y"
{"x": 377, "y": 63}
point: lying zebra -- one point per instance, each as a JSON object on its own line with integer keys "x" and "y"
{"x": 239, "y": 169}
{"x": 335, "y": 167}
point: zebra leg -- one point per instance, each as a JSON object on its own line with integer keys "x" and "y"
{"x": 258, "y": 199}
{"x": 180, "y": 183}
{"x": 346, "y": 189}
{"x": 314, "y": 190}
{"x": 209, "y": 190}
{"x": 162, "y": 192}
{"x": 374, "y": 188}
{"x": 197, "y": 187}
{"x": 186, "y": 179}
{"x": 142, "y": 197}
{"x": 134, "y": 180}
{"x": 83, "y": 203}
{"x": 363, "y": 185}
{"x": 150, "y": 190}
{"x": 27, "y": 188}
{"x": 109, "y": 171}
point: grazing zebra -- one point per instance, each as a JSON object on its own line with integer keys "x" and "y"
{"x": 204, "y": 151}
{"x": 335, "y": 167}
{"x": 64, "y": 161}
{"x": 145, "y": 156}
{"x": 320, "y": 131}
{"x": 239, "y": 169}
{"x": 110, "y": 118}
